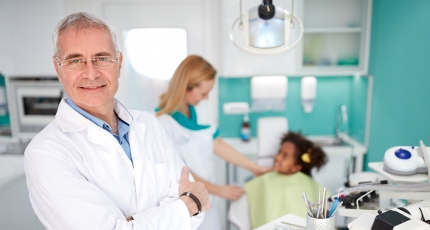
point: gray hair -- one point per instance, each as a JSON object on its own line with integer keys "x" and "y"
{"x": 81, "y": 20}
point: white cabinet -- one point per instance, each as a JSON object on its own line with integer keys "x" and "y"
{"x": 336, "y": 37}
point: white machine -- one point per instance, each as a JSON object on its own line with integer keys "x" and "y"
{"x": 412, "y": 217}
{"x": 406, "y": 160}
{"x": 400, "y": 163}
{"x": 33, "y": 103}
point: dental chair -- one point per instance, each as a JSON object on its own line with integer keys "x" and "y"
{"x": 269, "y": 133}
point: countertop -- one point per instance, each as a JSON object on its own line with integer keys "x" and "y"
{"x": 250, "y": 148}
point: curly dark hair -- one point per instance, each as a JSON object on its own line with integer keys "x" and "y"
{"x": 317, "y": 156}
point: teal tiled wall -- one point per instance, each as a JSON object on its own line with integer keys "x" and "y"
{"x": 332, "y": 92}
{"x": 399, "y": 61}
{"x": 358, "y": 108}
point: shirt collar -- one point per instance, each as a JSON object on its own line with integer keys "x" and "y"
{"x": 122, "y": 113}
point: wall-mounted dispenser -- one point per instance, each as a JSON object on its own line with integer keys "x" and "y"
{"x": 308, "y": 93}
{"x": 236, "y": 108}
{"x": 269, "y": 93}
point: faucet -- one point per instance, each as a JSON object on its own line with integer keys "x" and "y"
{"x": 342, "y": 119}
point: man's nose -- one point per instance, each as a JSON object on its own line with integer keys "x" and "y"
{"x": 90, "y": 70}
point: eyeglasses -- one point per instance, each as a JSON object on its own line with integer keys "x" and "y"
{"x": 80, "y": 63}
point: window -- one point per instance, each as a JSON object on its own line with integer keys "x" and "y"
{"x": 156, "y": 52}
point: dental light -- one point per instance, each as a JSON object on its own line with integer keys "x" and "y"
{"x": 266, "y": 29}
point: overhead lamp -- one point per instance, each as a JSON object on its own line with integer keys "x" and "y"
{"x": 266, "y": 29}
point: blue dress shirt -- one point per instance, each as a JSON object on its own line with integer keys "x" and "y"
{"x": 123, "y": 128}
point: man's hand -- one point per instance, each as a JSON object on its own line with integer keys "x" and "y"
{"x": 196, "y": 188}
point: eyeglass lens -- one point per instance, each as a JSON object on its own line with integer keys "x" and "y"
{"x": 79, "y": 63}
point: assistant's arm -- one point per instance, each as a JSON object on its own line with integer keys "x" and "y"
{"x": 229, "y": 154}
{"x": 230, "y": 192}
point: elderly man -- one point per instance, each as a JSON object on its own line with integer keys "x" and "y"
{"x": 98, "y": 165}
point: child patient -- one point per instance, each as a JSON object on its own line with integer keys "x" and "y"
{"x": 277, "y": 193}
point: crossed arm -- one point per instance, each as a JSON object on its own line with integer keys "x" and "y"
{"x": 65, "y": 196}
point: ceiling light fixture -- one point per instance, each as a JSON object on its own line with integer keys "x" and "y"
{"x": 266, "y": 29}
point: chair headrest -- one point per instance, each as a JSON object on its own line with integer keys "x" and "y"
{"x": 269, "y": 133}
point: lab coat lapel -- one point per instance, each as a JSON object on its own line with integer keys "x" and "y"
{"x": 100, "y": 136}
{"x": 71, "y": 121}
{"x": 137, "y": 135}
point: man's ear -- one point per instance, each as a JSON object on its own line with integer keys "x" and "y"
{"x": 57, "y": 66}
{"x": 120, "y": 60}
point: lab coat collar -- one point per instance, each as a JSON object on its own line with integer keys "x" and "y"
{"x": 69, "y": 119}
{"x": 72, "y": 121}
{"x": 122, "y": 112}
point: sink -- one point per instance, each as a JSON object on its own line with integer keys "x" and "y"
{"x": 327, "y": 141}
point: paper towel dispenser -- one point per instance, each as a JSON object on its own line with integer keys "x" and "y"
{"x": 269, "y": 93}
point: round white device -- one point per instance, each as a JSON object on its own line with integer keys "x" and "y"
{"x": 403, "y": 160}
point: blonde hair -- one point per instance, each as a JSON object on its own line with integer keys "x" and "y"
{"x": 189, "y": 74}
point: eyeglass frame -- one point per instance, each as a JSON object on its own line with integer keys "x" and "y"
{"x": 93, "y": 59}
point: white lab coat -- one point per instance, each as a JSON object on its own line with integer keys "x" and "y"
{"x": 79, "y": 177}
{"x": 196, "y": 149}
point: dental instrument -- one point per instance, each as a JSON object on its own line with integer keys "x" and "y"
{"x": 324, "y": 201}
{"x": 333, "y": 208}
{"x": 337, "y": 208}
{"x": 319, "y": 203}
{"x": 307, "y": 204}
{"x": 335, "y": 204}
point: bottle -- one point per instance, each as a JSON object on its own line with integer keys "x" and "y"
{"x": 245, "y": 131}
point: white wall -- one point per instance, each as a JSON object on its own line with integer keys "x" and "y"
{"x": 25, "y": 36}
